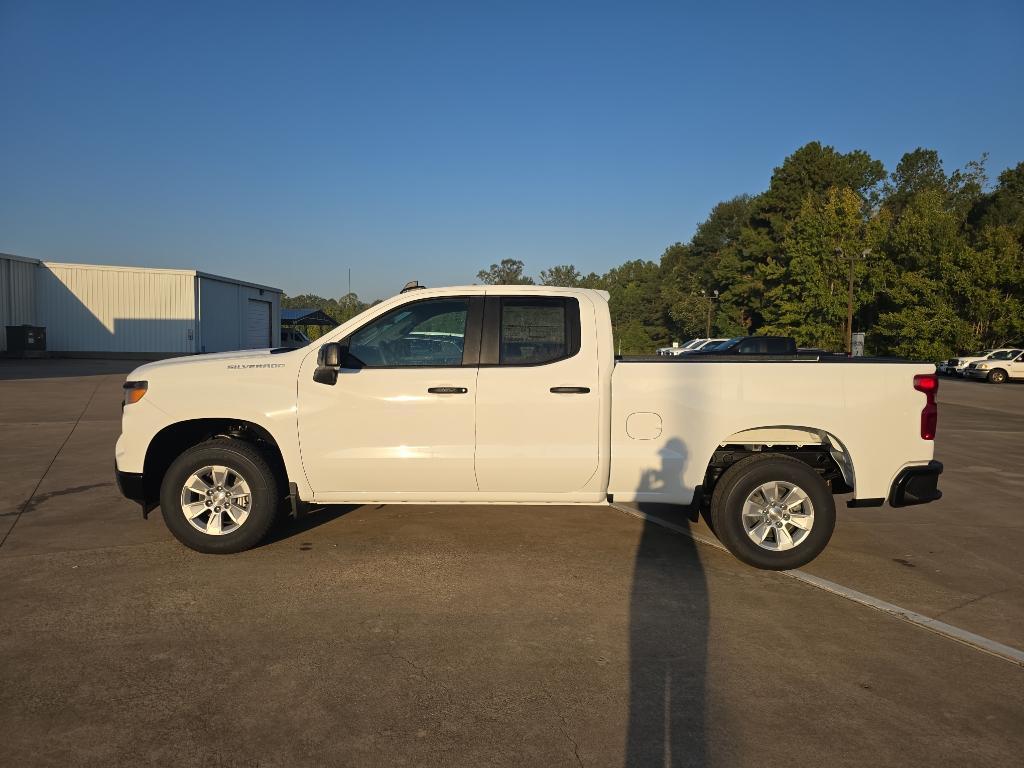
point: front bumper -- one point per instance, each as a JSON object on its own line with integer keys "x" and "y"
{"x": 976, "y": 373}
{"x": 916, "y": 485}
{"x": 130, "y": 484}
{"x": 132, "y": 487}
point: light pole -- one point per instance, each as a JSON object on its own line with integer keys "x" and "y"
{"x": 710, "y": 299}
{"x": 849, "y": 298}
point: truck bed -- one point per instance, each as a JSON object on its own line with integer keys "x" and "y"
{"x": 671, "y": 414}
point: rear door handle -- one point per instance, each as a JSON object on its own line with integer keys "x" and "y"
{"x": 447, "y": 390}
{"x": 570, "y": 390}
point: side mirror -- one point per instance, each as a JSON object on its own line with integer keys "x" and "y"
{"x": 324, "y": 375}
{"x": 328, "y": 360}
{"x": 329, "y": 355}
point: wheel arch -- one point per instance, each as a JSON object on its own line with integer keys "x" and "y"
{"x": 171, "y": 441}
{"x": 818, "y": 447}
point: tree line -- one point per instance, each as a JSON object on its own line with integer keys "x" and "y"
{"x": 935, "y": 256}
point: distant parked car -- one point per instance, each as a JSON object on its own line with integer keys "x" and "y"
{"x": 957, "y": 366}
{"x": 752, "y": 345}
{"x": 998, "y": 367}
{"x": 698, "y": 345}
{"x": 293, "y": 338}
{"x": 693, "y": 345}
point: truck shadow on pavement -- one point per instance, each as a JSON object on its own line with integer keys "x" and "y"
{"x": 668, "y": 635}
{"x": 288, "y": 527}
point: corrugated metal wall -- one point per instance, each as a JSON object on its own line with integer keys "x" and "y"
{"x": 219, "y": 318}
{"x": 89, "y": 308}
{"x": 17, "y": 294}
{"x": 224, "y": 312}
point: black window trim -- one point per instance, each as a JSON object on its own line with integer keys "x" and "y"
{"x": 470, "y": 341}
{"x": 490, "y": 343}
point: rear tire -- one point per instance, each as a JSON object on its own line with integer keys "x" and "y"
{"x": 998, "y": 376}
{"x": 773, "y": 512}
{"x": 219, "y": 497}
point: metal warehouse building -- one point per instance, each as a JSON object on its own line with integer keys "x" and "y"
{"x": 88, "y": 308}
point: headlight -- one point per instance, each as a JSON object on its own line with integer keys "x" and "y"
{"x": 983, "y": 366}
{"x": 134, "y": 391}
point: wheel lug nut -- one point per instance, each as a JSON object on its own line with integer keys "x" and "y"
{"x": 208, "y": 502}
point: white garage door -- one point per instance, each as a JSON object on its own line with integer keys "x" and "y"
{"x": 257, "y": 326}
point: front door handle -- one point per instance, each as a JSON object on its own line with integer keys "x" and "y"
{"x": 447, "y": 390}
{"x": 570, "y": 390}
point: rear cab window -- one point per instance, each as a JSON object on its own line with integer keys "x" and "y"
{"x": 530, "y": 330}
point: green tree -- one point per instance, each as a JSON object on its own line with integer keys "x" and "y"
{"x": 714, "y": 259}
{"x": 809, "y": 296}
{"x": 1004, "y": 206}
{"x": 508, "y": 272}
{"x": 916, "y": 171}
{"x": 564, "y": 275}
{"x": 927, "y": 310}
{"x": 637, "y": 313}
{"x": 814, "y": 170}
{"x": 340, "y": 310}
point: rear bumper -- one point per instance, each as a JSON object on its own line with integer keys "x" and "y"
{"x": 916, "y": 485}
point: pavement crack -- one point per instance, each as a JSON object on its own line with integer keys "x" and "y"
{"x": 421, "y": 672}
{"x": 29, "y": 501}
{"x": 972, "y": 600}
{"x": 564, "y": 727}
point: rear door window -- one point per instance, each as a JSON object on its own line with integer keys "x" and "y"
{"x": 537, "y": 330}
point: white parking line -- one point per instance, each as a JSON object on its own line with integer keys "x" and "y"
{"x": 984, "y": 644}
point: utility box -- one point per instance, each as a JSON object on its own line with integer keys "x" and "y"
{"x": 26, "y": 338}
{"x": 857, "y": 342}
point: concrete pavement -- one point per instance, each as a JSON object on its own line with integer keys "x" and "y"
{"x": 483, "y": 635}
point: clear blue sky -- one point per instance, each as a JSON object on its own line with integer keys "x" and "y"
{"x": 286, "y": 142}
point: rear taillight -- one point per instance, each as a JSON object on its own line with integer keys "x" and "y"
{"x": 929, "y": 384}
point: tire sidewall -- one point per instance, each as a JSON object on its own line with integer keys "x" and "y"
{"x": 249, "y": 465}
{"x": 728, "y": 515}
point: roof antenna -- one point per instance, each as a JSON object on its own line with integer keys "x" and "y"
{"x": 412, "y": 285}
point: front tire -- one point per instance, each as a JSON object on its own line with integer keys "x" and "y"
{"x": 219, "y": 497}
{"x": 773, "y": 512}
{"x": 998, "y": 376}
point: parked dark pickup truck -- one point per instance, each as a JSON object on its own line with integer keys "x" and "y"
{"x": 752, "y": 345}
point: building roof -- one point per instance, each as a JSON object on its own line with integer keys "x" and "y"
{"x": 12, "y": 257}
{"x": 157, "y": 270}
{"x": 307, "y": 316}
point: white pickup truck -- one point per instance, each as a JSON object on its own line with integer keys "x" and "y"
{"x": 513, "y": 395}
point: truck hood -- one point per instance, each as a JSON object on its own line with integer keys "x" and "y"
{"x": 248, "y": 357}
